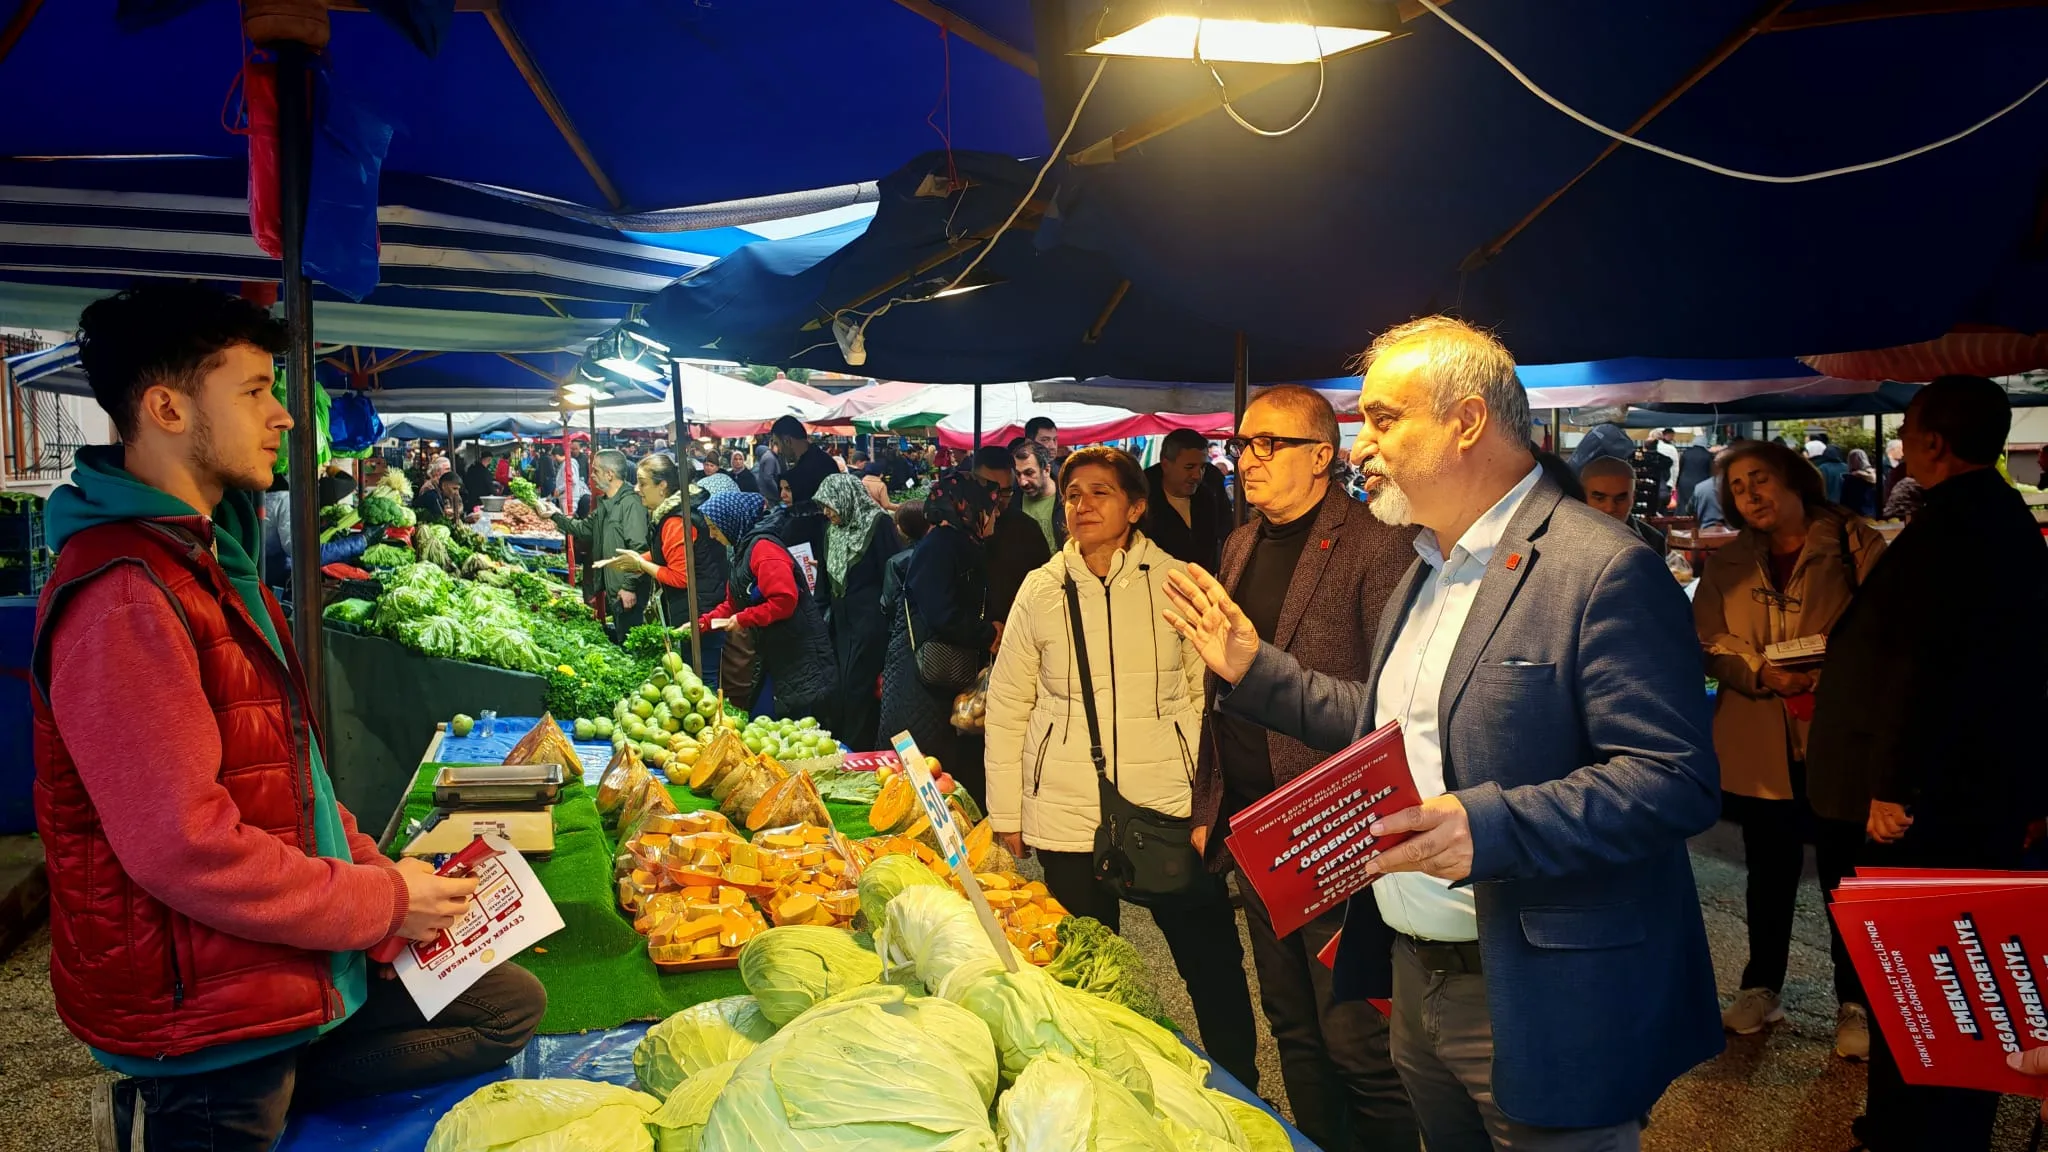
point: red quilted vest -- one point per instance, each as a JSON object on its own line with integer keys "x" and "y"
{"x": 132, "y": 976}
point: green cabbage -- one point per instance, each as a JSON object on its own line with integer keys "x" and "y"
{"x": 1098, "y": 961}
{"x": 1262, "y": 1133}
{"x": 679, "y": 1125}
{"x": 696, "y": 1038}
{"x": 1203, "y": 1124}
{"x": 547, "y": 1116}
{"x": 1138, "y": 1031}
{"x": 1061, "y": 1105}
{"x": 788, "y": 969}
{"x": 882, "y": 880}
{"x": 1030, "y": 1014}
{"x": 874, "y": 1069}
{"x": 932, "y": 934}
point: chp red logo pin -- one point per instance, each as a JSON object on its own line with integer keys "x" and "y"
{"x": 1514, "y": 561}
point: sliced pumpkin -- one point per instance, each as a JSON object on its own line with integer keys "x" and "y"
{"x": 980, "y": 839}
{"x": 894, "y": 805}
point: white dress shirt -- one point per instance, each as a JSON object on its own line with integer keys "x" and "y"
{"x": 1410, "y": 687}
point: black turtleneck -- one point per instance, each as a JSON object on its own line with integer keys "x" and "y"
{"x": 1262, "y": 592}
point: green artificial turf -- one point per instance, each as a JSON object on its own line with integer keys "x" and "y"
{"x": 596, "y": 968}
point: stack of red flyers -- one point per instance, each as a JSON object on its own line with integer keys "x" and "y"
{"x": 1952, "y": 962}
{"x": 1305, "y": 846}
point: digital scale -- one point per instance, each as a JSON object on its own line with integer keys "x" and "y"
{"x": 516, "y": 801}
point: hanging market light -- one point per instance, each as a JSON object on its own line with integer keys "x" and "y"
{"x": 1242, "y": 31}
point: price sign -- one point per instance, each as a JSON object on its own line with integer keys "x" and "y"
{"x": 934, "y": 803}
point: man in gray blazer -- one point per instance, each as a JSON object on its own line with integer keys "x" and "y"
{"x": 1540, "y": 936}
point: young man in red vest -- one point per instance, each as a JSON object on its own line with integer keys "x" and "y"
{"x": 210, "y": 899}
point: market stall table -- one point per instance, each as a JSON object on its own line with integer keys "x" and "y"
{"x": 602, "y": 989}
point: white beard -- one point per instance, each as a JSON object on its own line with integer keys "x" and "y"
{"x": 1389, "y": 505}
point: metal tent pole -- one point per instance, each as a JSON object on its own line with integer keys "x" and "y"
{"x": 295, "y": 170}
{"x": 977, "y": 417}
{"x": 448, "y": 445}
{"x": 1240, "y": 383}
{"x": 683, "y": 469}
{"x": 1557, "y": 431}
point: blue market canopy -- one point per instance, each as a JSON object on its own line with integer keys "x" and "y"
{"x": 470, "y": 426}
{"x": 99, "y": 225}
{"x": 1429, "y": 180}
{"x": 1888, "y": 399}
{"x": 672, "y": 104}
{"x": 1041, "y": 308}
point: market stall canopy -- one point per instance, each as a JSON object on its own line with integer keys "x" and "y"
{"x": 1035, "y": 308}
{"x": 470, "y": 426}
{"x": 859, "y": 401}
{"x": 949, "y": 410}
{"x": 1889, "y": 398}
{"x": 1968, "y": 353}
{"x": 1428, "y": 179}
{"x": 575, "y": 101}
{"x": 719, "y": 405}
{"x": 101, "y": 224}
{"x": 788, "y": 387}
{"x": 1631, "y": 380}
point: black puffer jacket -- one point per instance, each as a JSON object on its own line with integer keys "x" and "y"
{"x": 796, "y": 653}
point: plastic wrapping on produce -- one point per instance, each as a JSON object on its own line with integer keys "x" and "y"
{"x": 477, "y": 748}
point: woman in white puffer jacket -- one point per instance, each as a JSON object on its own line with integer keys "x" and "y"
{"x": 1148, "y": 685}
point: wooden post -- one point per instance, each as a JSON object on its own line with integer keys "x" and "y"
{"x": 683, "y": 469}
{"x": 294, "y": 175}
{"x": 1239, "y": 386}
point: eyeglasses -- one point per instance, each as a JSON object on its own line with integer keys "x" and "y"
{"x": 997, "y": 492}
{"x": 1771, "y": 597}
{"x": 1263, "y": 447}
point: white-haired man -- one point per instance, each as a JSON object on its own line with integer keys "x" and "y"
{"x": 1540, "y": 936}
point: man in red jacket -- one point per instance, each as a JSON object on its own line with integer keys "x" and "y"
{"x": 210, "y": 899}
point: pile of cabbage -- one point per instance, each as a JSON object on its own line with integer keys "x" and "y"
{"x": 927, "y": 1043}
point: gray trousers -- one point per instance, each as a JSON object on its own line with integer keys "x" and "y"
{"x": 1443, "y": 1047}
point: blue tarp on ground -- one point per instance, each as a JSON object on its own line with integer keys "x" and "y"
{"x": 402, "y": 1121}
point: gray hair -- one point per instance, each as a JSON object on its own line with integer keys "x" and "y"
{"x": 614, "y": 461}
{"x": 1462, "y": 361}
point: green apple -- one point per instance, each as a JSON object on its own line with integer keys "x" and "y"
{"x": 461, "y": 725}
{"x": 693, "y": 723}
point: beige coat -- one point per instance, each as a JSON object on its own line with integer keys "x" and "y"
{"x": 1753, "y": 735}
{"x": 1148, "y": 694}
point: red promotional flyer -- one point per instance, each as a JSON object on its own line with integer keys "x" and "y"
{"x": 1305, "y": 846}
{"x": 1952, "y": 962}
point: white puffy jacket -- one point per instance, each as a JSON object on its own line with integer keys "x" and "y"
{"x": 1148, "y": 692}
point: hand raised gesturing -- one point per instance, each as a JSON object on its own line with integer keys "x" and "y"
{"x": 1204, "y": 613}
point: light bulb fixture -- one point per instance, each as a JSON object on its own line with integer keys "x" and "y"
{"x": 1243, "y": 31}
{"x": 644, "y": 338}
{"x": 632, "y": 370}
{"x": 975, "y": 281}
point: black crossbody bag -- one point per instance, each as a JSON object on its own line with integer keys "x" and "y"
{"x": 1146, "y": 856}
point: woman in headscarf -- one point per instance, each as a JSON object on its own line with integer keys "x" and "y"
{"x": 672, "y": 526}
{"x": 859, "y": 540}
{"x": 944, "y": 595}
{"x": 1859, "y": 487}
{"x": 767, "y": 594}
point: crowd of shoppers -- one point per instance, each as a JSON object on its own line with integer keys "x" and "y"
{"x": 1538, "y": 942}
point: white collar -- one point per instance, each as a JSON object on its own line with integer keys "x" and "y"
{"x": 1484, "y": 535}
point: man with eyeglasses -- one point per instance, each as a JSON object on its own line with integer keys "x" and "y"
{"x": 1312, "y": 571}
{"x": 1016, "y": 546}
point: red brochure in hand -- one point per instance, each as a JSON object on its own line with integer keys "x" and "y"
{"x": 1305, "y": 846}
{"x": 1952, "y": 963}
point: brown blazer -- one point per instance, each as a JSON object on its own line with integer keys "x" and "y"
{"x": 1349, "y": 566}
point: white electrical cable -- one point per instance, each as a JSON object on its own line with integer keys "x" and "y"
{"x": 1051, "y": 158}
{"x": 1322, "y": 75}
{"x": 1736, "y": 173}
